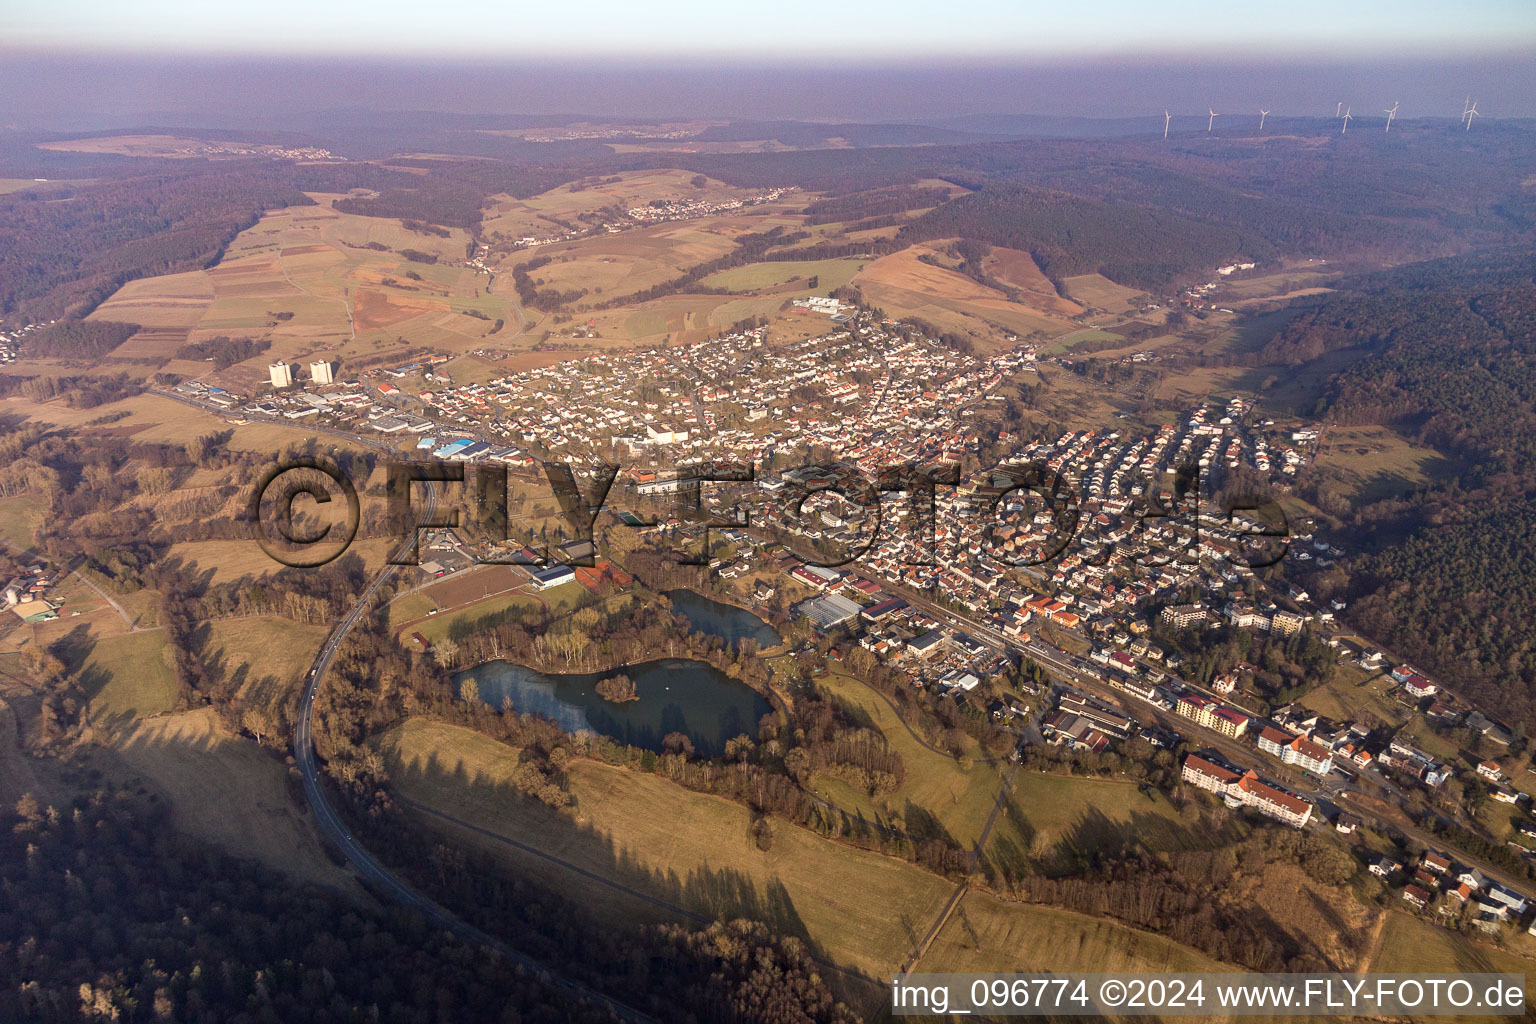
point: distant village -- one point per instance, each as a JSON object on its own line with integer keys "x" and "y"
{"x": 656, "y": 212}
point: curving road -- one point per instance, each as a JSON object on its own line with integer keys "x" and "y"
{"x": 376, "y": 874}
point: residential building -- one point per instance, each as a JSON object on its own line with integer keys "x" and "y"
{"x": 1297, "y": 750}
{"x": 1246, "y": 789}
{"x": 1180, "y": 616}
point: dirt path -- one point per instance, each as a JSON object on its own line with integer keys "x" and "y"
{"x": 351, "y": 323}
{"x": 132, "y": 626}
{"x": 1373, "y": 950}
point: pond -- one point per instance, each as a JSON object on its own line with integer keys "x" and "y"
{"x": 676, "y": 695}
{"x": 725, "y": 621}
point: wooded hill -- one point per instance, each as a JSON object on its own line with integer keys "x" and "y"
{"x": 1445, "y": 353}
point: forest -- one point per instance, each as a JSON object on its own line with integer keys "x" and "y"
{"x": 1069, "y": 235}
{"x": 1445, "y": 353}
{"x": 224, "y": 351}
{"x": 110, "y": 914}
{"x": 1144, "y": 215}
{"x": 64, "y": 258}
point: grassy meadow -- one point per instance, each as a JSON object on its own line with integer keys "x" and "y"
{"x": 690, "y": 851}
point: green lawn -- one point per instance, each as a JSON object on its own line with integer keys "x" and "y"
{"x": 1412, "y": 945}
{"x": 558, "y": 601}
{"x": 411, "y": 606}
{"x": 935, "y": 786}
{"x": 689, "y": 850}
{"x": 20, "y": 516}
{"x": 1067, "y": 818}
{"x": 129, "y": 676}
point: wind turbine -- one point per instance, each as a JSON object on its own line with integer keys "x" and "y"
{"x": 1211, "y": 123}
{"x": 1338, "y": 108}
{"x": 1167, "y": 117}
{"x": 1471, "y": 113}
{"x": 1391, "y": 114}
{"x": 1262, "y": 115}
{"x": 1346, "y": 121}
{"x": 1465, "y": 105}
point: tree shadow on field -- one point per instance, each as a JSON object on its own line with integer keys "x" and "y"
{"x": 1004, "y": 856}
{"x": 1095, "y": 833}
{"x": 601, "y": 871}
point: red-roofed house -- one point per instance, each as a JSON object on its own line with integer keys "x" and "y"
{"x": 1297, "y": 750}
{"x": 1246, "y": 789}
{"x": 1228, "y": 721}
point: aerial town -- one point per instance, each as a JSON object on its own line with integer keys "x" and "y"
{"x": 1009, "y": 582}
{"x": 610, "y": 515}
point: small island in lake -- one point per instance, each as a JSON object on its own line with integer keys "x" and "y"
{"x": 617, "y": 689}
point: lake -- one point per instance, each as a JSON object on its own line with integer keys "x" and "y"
{"x": 676, "y": 695}
{"x": 725, "y": 621}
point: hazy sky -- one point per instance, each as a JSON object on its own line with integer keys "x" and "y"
{"x": 76, "y": 64}
{"x": 883, "y": 29}
{"x": 95, "y": 91}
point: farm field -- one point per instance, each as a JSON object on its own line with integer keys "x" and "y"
{"x": 315, "y": 282}
{"x": 1018, "y": 268}
{"x": 1099, "y": 292}
{"x": 221, "y": 561}
{"x": 149, "y": 417}
{"x": 1196, "y": 384}
{"x": 903, "y": 285}
{"x": 688, "y": 319}
{"x": 1065, "y": 343}
{"x": 9, "y": 185}
{"x": 829, "y": 274}
{"x": 860, "y": 909}
{"x": 20, "y": 516}
{"x": 224, "y": 789}
{"x": 170, "y": 146}
{"x": 1372, "y": 463}
{"x": 17, "y": 775}
{"x": 1068, "y": 818}
{"x": 1270, "y": 287}
{"x": 560, "y": 209}
{"x": 631, "y": 261}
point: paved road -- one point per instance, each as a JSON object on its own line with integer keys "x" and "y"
{"x": 381, "y": 878}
